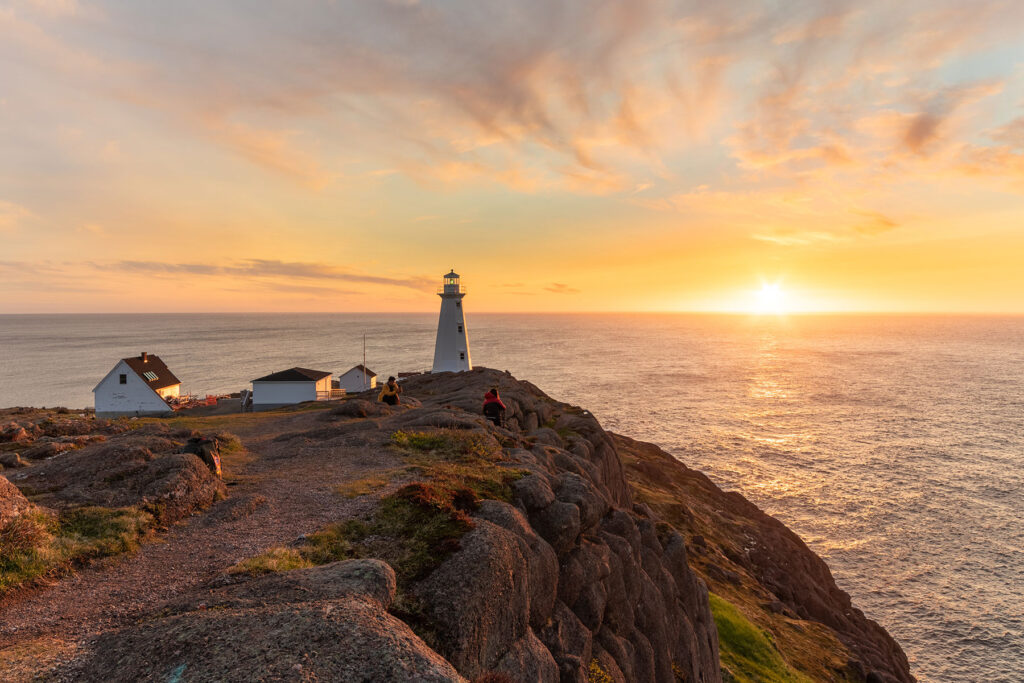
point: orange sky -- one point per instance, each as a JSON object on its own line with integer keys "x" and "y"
{"x": 570, "y": 156}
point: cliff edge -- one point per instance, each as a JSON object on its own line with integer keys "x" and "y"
{"x": 421, "y": 542}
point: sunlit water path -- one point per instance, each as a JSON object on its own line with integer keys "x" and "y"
{"x": 893, "y": 445}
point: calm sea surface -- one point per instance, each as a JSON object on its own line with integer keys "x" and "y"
{"x": 893, "y": 445}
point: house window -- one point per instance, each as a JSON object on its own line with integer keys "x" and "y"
{"x": 122, "y": 379}
{"x": 462, "y": 356}
{"x": 151, "y": 376}
{"x": 460, "y": 329}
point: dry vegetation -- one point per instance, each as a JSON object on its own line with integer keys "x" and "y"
{"x": 41, "y": 544}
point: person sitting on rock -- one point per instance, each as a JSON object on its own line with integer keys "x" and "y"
{"x": 389, "y": 394}
{"x": 494, "y": 409}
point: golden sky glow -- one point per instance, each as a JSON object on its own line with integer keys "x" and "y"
{"x": 571, "y": 155}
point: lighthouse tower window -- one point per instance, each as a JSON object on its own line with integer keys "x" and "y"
{"x": 460, "y": 329}
{"x": 462, "y": 355}
{"x": 458, "y": 304}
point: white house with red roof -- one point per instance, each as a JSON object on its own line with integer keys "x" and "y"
{"x": 136, "y": 386}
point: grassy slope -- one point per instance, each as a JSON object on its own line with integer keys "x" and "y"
{"x": 806, "y": 649}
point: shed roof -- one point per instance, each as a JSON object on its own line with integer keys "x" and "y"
{"x": 362, "y": 368}
{"x": 294, "y": 375}
{"x": 152, "y": 370}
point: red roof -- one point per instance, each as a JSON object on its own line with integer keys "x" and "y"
{"x": 152, "y": 370}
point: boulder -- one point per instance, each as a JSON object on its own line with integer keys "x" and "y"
{"x": 12, "y": 502}
{"x": 529, "y": 660}
{"x": 533, "y": 491}
{"x": 558, "y": 524}
{"x": 541, "y": 561}
{"x": 328, "y": 623}
{"x": 144, "y": 471}
{"x": 479, "y": 599}
{"x": 15, "y": 433}
{"x": 358, "y": 407}
{"x": 12, "y": 460}
{"x": 47, "y": 450}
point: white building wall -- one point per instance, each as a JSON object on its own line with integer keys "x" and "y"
{"x": 285, "y": 393}
{"x": 451, "y": 349}
{"x": 353, "y": 381}
{"x": 134, "y": 397}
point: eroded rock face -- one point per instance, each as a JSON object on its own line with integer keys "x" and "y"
{"x": 328, "y": 623}
{"x": 135, "y": 470}
{"x": 757, "y": 551}
{"x": 570, "y": 573}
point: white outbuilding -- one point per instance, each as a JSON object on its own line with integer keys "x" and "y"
{"x": 451, "y": 350}
{"x": 359, "y": 378}
{"x": 136, "y": 386}
{"x": 288, "y": 387}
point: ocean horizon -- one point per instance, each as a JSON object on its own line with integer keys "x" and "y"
{"x": 890, "y": 443}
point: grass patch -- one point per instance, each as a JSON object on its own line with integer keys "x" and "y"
{"x": 413, "y": 530}
{"x": 274, "y": 560}
{"x": 747, "y": 653}
{"x": 565, "y": 433}
{"x": 458, "y": 459}
{"x": 37, "y": 544}
{"x": 455, "y": 444}
{"x": 367, "y": 485}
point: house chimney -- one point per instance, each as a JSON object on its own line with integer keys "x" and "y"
{"x": 144, "y": 357}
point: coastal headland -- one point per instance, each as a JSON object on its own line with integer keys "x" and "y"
{"x": 350, "y": 540}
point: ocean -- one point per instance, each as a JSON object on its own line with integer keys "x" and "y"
{"x": 894, "y": 445}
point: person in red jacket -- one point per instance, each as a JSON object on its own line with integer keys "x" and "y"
{"x": 494, "y": 409}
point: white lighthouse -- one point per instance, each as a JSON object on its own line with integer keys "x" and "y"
{"x": 451, "y": 350}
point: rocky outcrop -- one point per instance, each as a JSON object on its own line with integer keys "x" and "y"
{"x": 572, "y": 574}
{"x": 138, "y": 469}
{"x": 328, "y": 623}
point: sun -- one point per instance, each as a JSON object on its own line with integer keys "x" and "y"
{"x": 770, "y": 299}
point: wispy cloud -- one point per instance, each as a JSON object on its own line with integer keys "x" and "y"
{"x": 262, "y": 268}
{"x": 560, "y": 288}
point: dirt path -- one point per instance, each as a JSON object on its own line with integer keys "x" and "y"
{"x": 281, "y": 489}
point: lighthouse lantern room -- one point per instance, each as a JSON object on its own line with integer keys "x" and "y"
{"x": 451, "y": 350}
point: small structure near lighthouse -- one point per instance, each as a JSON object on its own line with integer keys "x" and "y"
{"x": 451, "y": 350}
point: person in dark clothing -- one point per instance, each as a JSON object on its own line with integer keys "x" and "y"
{"x": 389, "y": 394}
{"x": 494, "y": 409}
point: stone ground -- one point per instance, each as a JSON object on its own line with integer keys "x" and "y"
{"x": 279, "y": 490}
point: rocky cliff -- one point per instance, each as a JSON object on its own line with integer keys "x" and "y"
{"x": 546, "y": 549}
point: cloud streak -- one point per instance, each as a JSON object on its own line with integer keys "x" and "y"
{"x": 263, "y": 268}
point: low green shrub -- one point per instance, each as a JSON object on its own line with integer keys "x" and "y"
{"x": 746, "y": 652}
